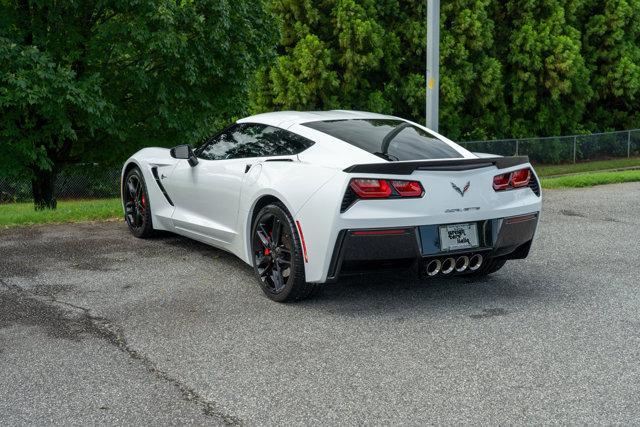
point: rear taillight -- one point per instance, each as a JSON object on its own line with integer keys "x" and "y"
{"x": 366, "y": 188}
{"x": 371, "y": 188}
{"x": 501, "y": 182}
{"x": 408, "y": 188}
{"x": 515, "y": 179}
{"x": 520, "y": 178}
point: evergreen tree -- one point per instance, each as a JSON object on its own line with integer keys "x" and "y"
{"x": 547, "y": 82}
{"x": 611, "y": 49}
{"x": 370, "y": 55}
{"x": 515, "y": 68}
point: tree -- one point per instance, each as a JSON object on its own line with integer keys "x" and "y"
{"x": 547, "y": 82}
{"x": 88, "y": 80}
{"x": 472, "y": 104}
{"x": 611, "y": 49}
{"x": 513, "y": 68}
{"x": 370, "y": 55}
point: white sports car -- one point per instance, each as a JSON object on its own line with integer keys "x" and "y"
{"x": 305, "y": 197}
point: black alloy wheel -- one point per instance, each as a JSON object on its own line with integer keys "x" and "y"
{"x": 277, "y": 255}
{"x": 136, "y": 204}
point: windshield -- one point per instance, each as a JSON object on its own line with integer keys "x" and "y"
{"x": 387, "y": 138}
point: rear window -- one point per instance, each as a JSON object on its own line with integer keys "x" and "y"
{"x": 387, "y": 138}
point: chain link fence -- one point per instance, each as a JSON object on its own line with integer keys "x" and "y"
{"x": 92, "y": 181}
{"x": 564, "y": 149}
{"x": 80, "y": 181}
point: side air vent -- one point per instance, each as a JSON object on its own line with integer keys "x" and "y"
{"x": 534, "y": 185}
{"x": 154, "y": 171}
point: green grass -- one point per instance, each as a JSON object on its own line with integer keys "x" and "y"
{"x": 22, "y": 214}
{"x": 591, "y": 179}
{"x": 547, "y": 170}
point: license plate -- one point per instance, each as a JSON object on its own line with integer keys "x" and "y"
{"x": 458, "y": 236}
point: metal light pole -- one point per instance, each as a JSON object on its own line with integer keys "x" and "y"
{"x": 433, "y": 63}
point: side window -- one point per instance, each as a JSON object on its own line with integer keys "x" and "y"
{"x": 247, "y": 139}
{"x": 279, "y": 142}
{"x": 215, "y": 147}
{"x": 238, "y": 141}
{"x": 253, "y": 140}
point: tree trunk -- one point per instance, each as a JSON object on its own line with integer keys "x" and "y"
{"x": 43, "y": 186}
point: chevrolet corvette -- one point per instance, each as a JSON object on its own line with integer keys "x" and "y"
{"x": 307, "y": 197}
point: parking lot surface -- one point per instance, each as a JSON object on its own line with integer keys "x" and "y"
{"x": 99, "y": 327}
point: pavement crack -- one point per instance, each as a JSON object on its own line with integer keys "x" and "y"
{"x": 114, "y": 335}
{"x": 10, "y": 286}
{"x": 85, "y": 323}
{"x": 569, "y": 212}
{"x": 490, "y": 312}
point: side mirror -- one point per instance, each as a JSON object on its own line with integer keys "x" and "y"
{"x": 184, "y": 152}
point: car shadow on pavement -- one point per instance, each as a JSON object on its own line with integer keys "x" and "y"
{"x": 399, "y": 293}
{"x": 405, "y": 294}
{"x": 184, "y": 243}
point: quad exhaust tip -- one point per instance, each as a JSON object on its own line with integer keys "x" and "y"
{"x": 462, "y": 263}
{"x": 448, "y": 265}
{"x": 475, "y": 262}
{"x": 433, "y": 267}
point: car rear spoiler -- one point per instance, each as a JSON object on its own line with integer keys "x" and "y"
{"x": 407, "y": 168}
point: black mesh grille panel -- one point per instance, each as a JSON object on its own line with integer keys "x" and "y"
{"x": 534, "y": 185}
{"x": 349, "y": 198}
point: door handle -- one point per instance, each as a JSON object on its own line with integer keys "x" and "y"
{"x": 246, "y": 168}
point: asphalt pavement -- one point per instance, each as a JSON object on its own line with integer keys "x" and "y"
{"x": 97, "y": 327}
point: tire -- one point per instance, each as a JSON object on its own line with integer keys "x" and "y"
{"x": 277, "y": 255}
{"x": 488, "y": 267}
{"x": 137, "y": 206}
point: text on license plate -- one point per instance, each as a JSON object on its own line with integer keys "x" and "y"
{"x": 458, "y": 236}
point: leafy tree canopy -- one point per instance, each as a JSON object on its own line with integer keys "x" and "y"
{"x": 94, "y": 80}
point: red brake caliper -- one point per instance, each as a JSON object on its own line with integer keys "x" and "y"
{"x": 267, "y": 251}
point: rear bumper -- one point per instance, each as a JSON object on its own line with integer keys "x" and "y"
{"x": 364, "y": 250}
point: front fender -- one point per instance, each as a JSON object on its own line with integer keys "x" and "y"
{"x": 147, "y": 159}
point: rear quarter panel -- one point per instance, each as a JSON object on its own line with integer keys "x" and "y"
{"x": 293, "y": 183}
